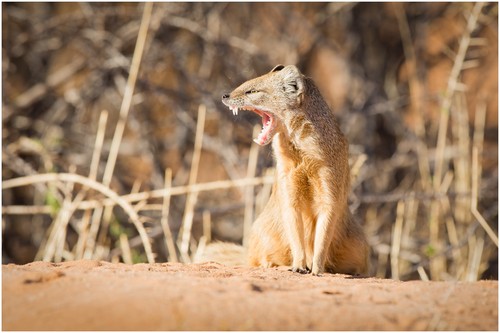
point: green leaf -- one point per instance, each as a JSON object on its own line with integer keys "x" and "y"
{"x": 430, "y": 250}
{"x": 51, "y": 200}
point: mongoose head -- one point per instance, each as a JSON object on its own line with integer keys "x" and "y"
{"x": 271, "y": 96}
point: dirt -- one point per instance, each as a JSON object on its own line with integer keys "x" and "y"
{"x": 94, "y": 295}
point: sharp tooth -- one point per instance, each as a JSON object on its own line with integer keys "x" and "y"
{"x": 236, "y": 111}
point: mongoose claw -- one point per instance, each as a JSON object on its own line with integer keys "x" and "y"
{"x": 300, "y": 270}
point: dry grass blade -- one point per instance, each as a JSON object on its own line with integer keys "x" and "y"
{"x": 94, "y": 165}
{"x": 169, "y": 241}
{"x": 207, "y": 226}
{"x": 99, "y": 140}
{"x": 74, "y": 178}
{"x": 187, "y": 220}
{"x": 95, "y": 223}
{"x": 58, "y": 227}
{"x": 206, "y": 238}
{"x": 422, "y": 274}
{"x": 416, "y": 93}
{"x": 180, "y": 190}
{"x": 396, "y": 239}
{"x": 126, "y": 253}
{"x": 475, "y": 252}
{"x": 26, "y": 210}
{"x": 129, "y": 92}
{"x": 175, "y": 191}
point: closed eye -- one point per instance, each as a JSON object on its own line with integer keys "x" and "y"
{"x": 251, "y": 92}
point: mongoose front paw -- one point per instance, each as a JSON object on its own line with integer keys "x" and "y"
{"x": 300, "y": 270}
{"x": 316, "y": 271}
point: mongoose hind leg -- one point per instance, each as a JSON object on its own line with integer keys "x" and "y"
{"x": 268, "y": 246}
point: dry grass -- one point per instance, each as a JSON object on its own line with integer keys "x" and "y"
{"x": 435, "y": 222}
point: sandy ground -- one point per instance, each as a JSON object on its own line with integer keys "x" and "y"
{"x": 91, "y": 295}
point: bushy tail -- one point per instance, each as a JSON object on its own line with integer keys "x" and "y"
{"x": 228, "y": 254}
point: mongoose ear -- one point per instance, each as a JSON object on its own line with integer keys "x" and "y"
{"x": 293, "y": 82}
{"x": 277, "y": 68}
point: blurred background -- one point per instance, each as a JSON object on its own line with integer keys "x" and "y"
{"x": 110, "y": 110}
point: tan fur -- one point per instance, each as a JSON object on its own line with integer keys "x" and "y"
{"x": 306, "y": 223}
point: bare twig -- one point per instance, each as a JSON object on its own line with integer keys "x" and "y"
{"x": 475, "y": 252}
{"x": 476, "y": 171}
{"x": 422, "y": 273}
{"x": 450, "y": 90}
{"x": 126, "y": 253}
{"x": 475, "y": 212}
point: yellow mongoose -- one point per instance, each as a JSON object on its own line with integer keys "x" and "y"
{"x": 306, "y": 223}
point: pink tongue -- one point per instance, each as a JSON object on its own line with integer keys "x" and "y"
{"x": 262, "y": 138}
{"x": 265, "y": 119}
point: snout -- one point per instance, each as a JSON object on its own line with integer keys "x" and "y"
{"x": 225, "y": 97}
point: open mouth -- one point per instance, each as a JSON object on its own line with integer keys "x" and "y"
{"x": 268, "y": 125}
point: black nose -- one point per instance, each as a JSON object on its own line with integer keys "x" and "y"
{"x": 225, "y": 96}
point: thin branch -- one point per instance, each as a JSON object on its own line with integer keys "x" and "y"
{"x": 477, "y": 148}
